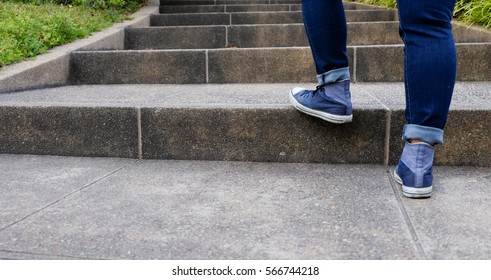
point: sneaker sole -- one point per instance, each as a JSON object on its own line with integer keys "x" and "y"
{"x": 319, "y": 114}
{"x": 413, "y": 192}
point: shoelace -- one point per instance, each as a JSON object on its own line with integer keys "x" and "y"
{"x": 311, "y": 93}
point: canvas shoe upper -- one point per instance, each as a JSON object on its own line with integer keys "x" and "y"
{"x": 330, "y": 102}
{"x": 415, "y": 170}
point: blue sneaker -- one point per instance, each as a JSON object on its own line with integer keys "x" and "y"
{"x": 415, "y": 170}
{"x": 330, "y": 102}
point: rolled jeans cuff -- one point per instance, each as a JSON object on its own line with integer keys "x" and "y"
{"x": 336, "y": 75}
{"x": 423, "y": 133}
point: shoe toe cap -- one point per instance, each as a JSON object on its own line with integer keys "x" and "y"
{"x": 297, "y": 90}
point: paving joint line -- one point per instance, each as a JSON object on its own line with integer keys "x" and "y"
{"x": 207, "y": 76}
{"x": 354, "y": 65}
{"x": 139, "y": 132}
{"x": 43, "y": 254}
{"x": 226, "y": 35}
{"x": 388, "y": 125}
{"x": 405, "y": 214}
{"x": 68, "y": 195}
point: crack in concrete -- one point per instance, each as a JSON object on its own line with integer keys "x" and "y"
{"x": 67, "y": 196}
{"x": 41, "y": 255}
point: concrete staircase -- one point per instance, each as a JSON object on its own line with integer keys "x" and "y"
{"x": 209, "y": 80}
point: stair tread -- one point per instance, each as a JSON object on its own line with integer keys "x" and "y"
{"x": 374, "y": 33}
{"x": 467, "y": 95}
{"x": 263, "y": 17}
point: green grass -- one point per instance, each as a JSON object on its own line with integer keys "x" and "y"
{"x": 474, "y": 12}
{"x": 27, "y": 30}
{"x": 468, "y": 11}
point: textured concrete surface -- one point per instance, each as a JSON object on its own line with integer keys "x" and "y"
{"x": 274, "y": 35}
{"x": 379, "y": 63}
{"x": 470, "y": 34}
{"x": 169, "y": 9}
{"x": 138, "y": 67}
{"x": 219, "y": 117}
{"x": 260, "y": 65}
{"x": 371, "y": 15}
{"x": 461, "y": 203}
{"x": 384, "y": 63}
{"x": 252, "y": 36}
{"x": 69, "y": 131}
{"x": 126, "y": 209}
{"x": 263, "y": 8}
{"x": 255, "y": 134}
{"x": 245, "y": 6}
{"x": 190, "y": 19}
{"x": 182, "y": 37}
{"x": 30, "y": 183}
{"x": 223, "y": 118}
{"x": 227, "y": 2}
{"x": 472, "y": 64}
{"x": 278, "y": 35}
{"x": 188, "y": 9}
{"x": 279, "y": 17}
{"x": 266, "y": 18}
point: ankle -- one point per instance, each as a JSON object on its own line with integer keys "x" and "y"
{"x": 416, "y": 141}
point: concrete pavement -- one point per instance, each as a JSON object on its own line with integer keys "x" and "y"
{"x": 108, "y": 208}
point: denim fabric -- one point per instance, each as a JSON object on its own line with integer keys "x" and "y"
{"x": 429, "y": 62}
{"x": 423, "y": 133}
{"x": 333, "y": 76}
{"x": 325, "y": 25}
{"x": 429, "y": 55}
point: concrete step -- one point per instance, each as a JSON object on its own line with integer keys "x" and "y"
{"x": 274, "y": 35}
{"x": 251, "y": 36}
{"x": 231, "y": 122}
{"x": 183, "y": 9}
{"x": 261, "y": 18}
{"x": 169, "y": 9}
{"x": 227, "y": 2}
{"x": 255, "y": 65}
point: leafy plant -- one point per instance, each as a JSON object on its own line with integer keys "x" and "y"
{"x": 474, "y": 11}
{"x": 468, "y": 11}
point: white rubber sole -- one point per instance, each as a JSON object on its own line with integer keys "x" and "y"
{"x": 322, "y": 115}
{"x": 413, "y": 192}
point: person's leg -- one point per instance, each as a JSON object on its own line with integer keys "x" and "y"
{"x": 325, "y": 25}
{"x": 430, "y": 66}
{"x": 429, "y": 78}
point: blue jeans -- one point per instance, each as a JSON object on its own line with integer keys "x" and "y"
{"x": 429, "y": 57}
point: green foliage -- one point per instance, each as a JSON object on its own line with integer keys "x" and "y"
{"x": 474, "y": 11}
{"x": 31, "y": 27}
{"x": 468, "y": 11}
{"x": 94, "y": 4}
